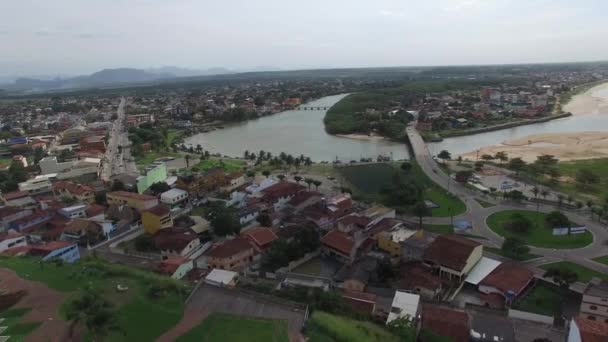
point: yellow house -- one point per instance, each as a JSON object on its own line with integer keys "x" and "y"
{"x": 391, "y": 241}
{"x": 156, "y": 218}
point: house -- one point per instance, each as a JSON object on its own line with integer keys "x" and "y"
{"x": 233, "y": 181}
{"x": 131, "y": 199}
{"x": 174, "y": 196}
{"x": 156, "y": 218}
{"x": 96, "y": 212}
{"x": 260, "y": 237}
{"x": 355, "y": 277}
{"x": 175, "y": 266}
{"x": 509, "y": 280}
{"x": 594, "y": 305}
{"x": 377, "y": 213}
{"x": 447, "y": 322}
{"x": 340, "y": 205}
{"x": 178, "y": 241}
{"x": 20, "y": 159}
{"x": 36, "y": 186}
{"x": 19, "y": 199}
{"x": 80, "y": 192}
{"x": 352, "y": 223}
{"x": 453, "y": 256}
{"x": 233, "y": 254}
{"x": 413, "y": 248}
{"x": 35, "y": 219}
{"x": 279, "y": 194}
{"x": 11, "y": 240}
{"x": 420, "y": 279}
{"x": 199, "y": 184}
{"x": 587, "y": 330}
{"x": 10, "y": 214}
{"x": 405, "y": 305}
{"x": 304, "y": 199}
{"x": 360, "y": 301}
{"x": 339, "y": 245}
{"x": 248, "y": 214}
{"x": 390, "y": 241}
{"x": 75, "y": 211}
{"x": 83, "y": 232}
{"x": 222, "y": 278}
{"x": 63, "y": 250}
{"x": 155, "y": 173}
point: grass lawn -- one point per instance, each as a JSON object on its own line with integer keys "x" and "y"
{"x": 369, "y": 179}
{"x": 543, "y": 300}
{"x": 584, "y": 274}
{"x": 323, "y": 327}
{"x": 539, "y": 234}
{"x": 5, "y": 162}
{"x": 602, "y": 259}
{"x": 312, "y": 267}
{"x": 448, "y": 204}
{"x": 219, "y": 327}
{"x": 229, "y": 165}
{"x": 498, "y": 251}
{"x": 150, "y": 157}
{"x": 17, "y": 330}
{"x": 597, "y": 166}
{"x": 141, "y": 316}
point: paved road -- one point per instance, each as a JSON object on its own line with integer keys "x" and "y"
{"x": 118, "y": 153}
{"x": 478, "y": 215}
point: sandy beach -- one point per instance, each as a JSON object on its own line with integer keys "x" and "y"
{"x": 372, "y": 137}
{"x": 564, "y": 146}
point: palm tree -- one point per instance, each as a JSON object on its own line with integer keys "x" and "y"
{"x": 281, "y": 177}
{"x": 421, "y": 210}
{"x": 266, "y": 173}
{"x": 187, "y": 157}
{"x": 544, "y": 193}
{"x": 298, "y": 179}
{"x": 246, "y": 154}
{"x": 317, "y": 184}
{"x": 199, "y": 148}
{"x": 560, "y": 200}
{"x": 308, "y": 181}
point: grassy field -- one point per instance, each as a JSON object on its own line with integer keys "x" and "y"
{"x": 584, "y": 274}
{"x": 142, "y": 317}
{"x": 539, "y": 234}
{"x": 324, "y": 327}
{"x": 150, "y": 157}
{"x": 439, "y": 228}
{"x": 220, "y": 327}
{"x": 498, "y": 251}
{"x": 543, "y": 300}
{"x": 368, "y": 180}
{"x": 5, "y": 162}
{"x": 229, "y": 165}
{"x": 312, "y": 267}
{"x": 17, "y": 330}
{"x": 602, "y": 259}
{"x": 598, "y": 166}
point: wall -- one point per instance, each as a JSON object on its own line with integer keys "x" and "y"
{"x": 183, "y": 269}
{"x": 157, "y": 174}
{"x": 11, "y": 243}
{"x": 67, "y": 254}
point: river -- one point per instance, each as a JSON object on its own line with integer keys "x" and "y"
{"x": 295, "y": 132}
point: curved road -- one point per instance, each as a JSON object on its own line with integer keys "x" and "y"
{"x": 478, "y": 215}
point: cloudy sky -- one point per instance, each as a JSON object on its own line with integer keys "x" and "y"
{"x": 82, "y": 36}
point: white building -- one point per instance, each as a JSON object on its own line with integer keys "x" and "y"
{"x": 222, "y": 278}
{"x": 36, "y": 186}
{"x": 11, "y": 240}
{"x": 174, "y": 196}
{"x": 70, "y": 169}
{"x": 404, "y": 305}
{"x": 75, "y": 211}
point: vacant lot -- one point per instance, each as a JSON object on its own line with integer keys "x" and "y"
{"x": 219, "y": 327}
{"x": 142, "y": 316}
{"x": 369, "y": 179}
{"x": 327, "y": 327}
{"x": 584, "y": 274}
{"x": 569, "y": 169}
{"x": 539, "y": 235}
{"x": 543, "y": 300}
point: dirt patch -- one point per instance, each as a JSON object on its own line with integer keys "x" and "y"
{"x": 44, "y": 303}
{"x": 191, "y": 318}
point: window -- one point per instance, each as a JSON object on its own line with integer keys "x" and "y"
{"x": 593, "y": 307}
{"x": 591, "y": 318}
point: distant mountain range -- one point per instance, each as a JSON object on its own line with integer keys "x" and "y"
{"x": 110, "y": 77}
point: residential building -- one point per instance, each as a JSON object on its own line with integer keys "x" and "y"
{"x": 175, "y": 266}
{"x": 50, "y": 165}
{"x": 233, "y": 254}
{"x": 594, "y": 305}
{"x": 390, "y": 241}
{"x": 131, "y": 199}
{"x": 156, "y": 218}
{"x": 279, "y": 194}
{"x": 80, "y": 192}
{"x": 20, "y": 159}
{"x": 200, "y": 224}
{"x": 10, "y": 214}
{"x": 508, "y": 280}
{"x": 356, "y": 276}
{"x": 585, "y": 330}
{"x": 420, "y": 279}
{"x": 377, "y": 213}
{"x": 69, "y": 169}
{"x": 75, "y": 211}
{"x": 66, "y": 251}
{"x": 19, "y": 199}
{"x": 233, "y": 181}
{"x": 199, "y": 184}
{"x": 413, "y": 248}
{"x": 174, "y": 196}
{"x": 83, "y": 232}
{"x": 248, "y": 214}
{"x": 178, "y": 241}
{"x": 36, "y": 218}
{"x": 339, "y": 245}
{"x": 260, "y": 237}
{"x": 453, "y": 256}
{"x": 11, "y": 240}
{"x": 222, "y": 278}
{"x": 443, "y": 321}
{"x": 36, "y": 186}
{"x": 155, "y": 173}
{"x": 405, "y": 305}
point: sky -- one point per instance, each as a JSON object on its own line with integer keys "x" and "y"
{"x": 71, "y": 37}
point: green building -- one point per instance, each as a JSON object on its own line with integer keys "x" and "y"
{"x": 157, "y": 172}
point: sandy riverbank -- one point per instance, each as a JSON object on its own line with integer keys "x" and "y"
{"x": 372, "y": 137}
{"x": 589, "y": 102}
{"x": 564, "y": 146}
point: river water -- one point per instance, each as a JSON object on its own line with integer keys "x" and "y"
{"x": 295, "y": 132}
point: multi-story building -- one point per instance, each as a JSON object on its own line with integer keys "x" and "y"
{"x": 201, "y": 183}
{"x": 174, "y": 196}
{"x": 157, "y": 172}
{"x": 231, "y": 255}
{"x": 80, "y": 192}
{"x": 156, "y": 218}
{"x": 132, "y": 200}
{"x": 594, "y": 305}
{"x": 10, "y": 214}
{"x": 453, "y": 256}
{"x": 36, "y": 186}
{"x": 11, "y": 240}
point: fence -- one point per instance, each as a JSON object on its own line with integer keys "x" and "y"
{"x": 296, "y": 263}
{"x": 529, "y": 316}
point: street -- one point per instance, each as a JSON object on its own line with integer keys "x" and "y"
{"x": 118, "y": 152}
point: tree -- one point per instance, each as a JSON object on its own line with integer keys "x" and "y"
{"x": 159, "y": 187}
{"x": 118, "y": 185}
{"x": 406, "y": 167}
{"x": 518, "y": 223}
{"x": 421, "y": 210}
{"x": 187, "y": 158}
{"x": 317, "y": 184}
{"x": 266, "y": 173}
{"x": 298, "y": 179}
{"x": 281, "y": 177}
{"x": 444, "y": 155}
{"x": 487, "y": 157}
{"x": 514, "y": 248}
{"x": 250, "y": 174}
{"x": 560, "y": 200}
{"x": 557, "y": 219}
{"x": 563, "y": 278}
{"x": 515, "y": 195}
{"x": 309, "y": 181}
{"x": 38, "y": 155}
{"x": 199, "y": 148}
{"x": 544, "y": 193}
{"x": 100, "y": 198}
{"x": 585, "y": 178}
{"x": 517, "y": 165}
{"x": 264, "y": 220}
{"x": 94, "y": 311}
{"x": 502, "y": 156}
{"x": 404, "y": 328}
{"x": 17, "y": 172}
{"x": 144, "y": 243}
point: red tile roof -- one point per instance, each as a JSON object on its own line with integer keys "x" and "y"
{"x": 132, "y": 195}
{"x": 383, "y": 225}
{"x": 95, "y": 209}
{"x": 509, "y": 277}
{"x": 175, "y": 239}
{"x": 160, "y": 210}
{"x": 281, "y": 189}
{"x": 417, "y": 275}
{"x": 355, "y": 219}
{"x": 71, "y": 187}
{"x": 592, "y": 331}
{"x": 446, "y": 322}
{"x": 8, "y": 211}
{"x": 170, "y": 265}
{"x": 450, "y": 251}
{"x": 360, "y": 301}
{"x": 51, "y": 246}
{"x": 261, "y": 236}
{"x": 338, "y": 241}
{"x": 303, "y": 196}
{"x": 9, "y": 235}
{"x": 229, "y": 248}
{"x": 15, "y": 194}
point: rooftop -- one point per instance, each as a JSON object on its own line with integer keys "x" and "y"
{"x": 229, "y": 248}
{"x": 404, "y": 305}
{"x": 338, "y": 241}
{"x": 446, "y": 322}
{"x": 481, "y": 270}
{"x": 509, "y": 277}
{"x": 221, "y": 276}
{"x": 132, "y": 195}
{"x": 175, "y": 239}
{"x": 261, "y": 235}
{"x": 450, "y": 251}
